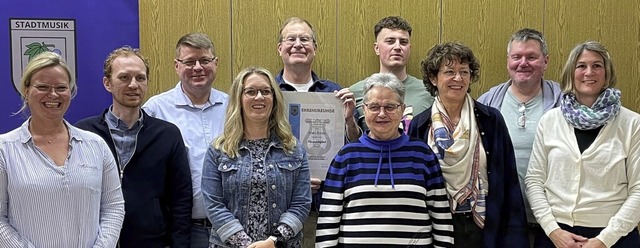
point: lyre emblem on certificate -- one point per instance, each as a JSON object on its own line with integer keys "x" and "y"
{"x": 317, "y": 141}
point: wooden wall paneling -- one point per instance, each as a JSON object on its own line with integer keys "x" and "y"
{"x": 632, "y": 100}
{"x": 486, "y": 26}
{"x": 616, "y": 26}
{"x": 356, "y": 58}
{"x": 162, "y": 23}
{"x": 255, "y": 26}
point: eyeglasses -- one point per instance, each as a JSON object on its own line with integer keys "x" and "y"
{"x": 304, "y": 40}
{"x": 522, "y": 119}
{"x": 192, "y": 62}
{"x": 389, "y": 108}
{"x": 251, "y": 92}
{"x": 451, "y": 73}
{"x": 47, "y": 88}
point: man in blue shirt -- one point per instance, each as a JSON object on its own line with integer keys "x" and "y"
{"x": 197, "y": 109}
{"x": 151, "y": 158}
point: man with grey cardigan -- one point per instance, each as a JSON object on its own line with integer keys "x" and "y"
{"x": 523, "y": 99}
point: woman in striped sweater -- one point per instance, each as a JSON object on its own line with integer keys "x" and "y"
{"x": 386, "y": 189}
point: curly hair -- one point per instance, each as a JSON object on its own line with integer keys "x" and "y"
{"x": 445, "y": 54}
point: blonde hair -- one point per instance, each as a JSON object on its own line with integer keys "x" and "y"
{"x": 125, "y": 51}
{"x": 567, "y": 84}
{"x": 41, "y": 61}
{"x": 229, "y": 141}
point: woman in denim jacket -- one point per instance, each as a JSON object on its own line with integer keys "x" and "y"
{"x": 255, "y": 178}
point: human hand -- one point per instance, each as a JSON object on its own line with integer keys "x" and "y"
{"x": 593, "y": 243}
{"x": 565, "y": 239}
{"x": 348, "y": 101}
{"x": 267, "y": 243}
{"x": 315, "y": 184}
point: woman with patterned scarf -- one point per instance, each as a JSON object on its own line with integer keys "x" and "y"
{"x": 583, "y": 180}
{"x": 474, "y": 150}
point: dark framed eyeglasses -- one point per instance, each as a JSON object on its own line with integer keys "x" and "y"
{"x": 192, "y": 62}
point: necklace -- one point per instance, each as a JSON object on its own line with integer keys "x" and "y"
{"x": 50, "y": 139}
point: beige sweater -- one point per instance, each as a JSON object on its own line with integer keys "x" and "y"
{"x": 598, "y": 188}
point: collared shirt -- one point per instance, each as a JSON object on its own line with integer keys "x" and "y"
{"x": 78, "y": 204}
{"x": 124, "y": 138}
{"x": 199, "y": 127}
{"x": 319, "y": 85}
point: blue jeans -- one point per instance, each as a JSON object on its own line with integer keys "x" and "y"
{"x": 200, "y": 236}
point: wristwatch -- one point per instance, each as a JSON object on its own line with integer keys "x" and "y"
{"x": 278, "y": 241}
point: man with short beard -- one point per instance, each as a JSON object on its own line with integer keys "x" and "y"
{"x": 150, "y": 155}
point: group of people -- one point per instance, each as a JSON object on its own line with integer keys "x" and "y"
{"x": 531, "y": 162}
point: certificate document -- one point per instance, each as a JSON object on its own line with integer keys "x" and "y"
{"x": 316, "y": 120}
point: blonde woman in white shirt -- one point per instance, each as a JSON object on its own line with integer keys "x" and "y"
{"x": 59, "y": 185}
{"x": 583, "y": 180}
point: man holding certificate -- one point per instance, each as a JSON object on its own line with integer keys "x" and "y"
{"x": 297, "y": 48}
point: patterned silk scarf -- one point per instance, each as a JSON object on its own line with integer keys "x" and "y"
{"x": 458, "y": 151}
{"x": 582, "y": 117}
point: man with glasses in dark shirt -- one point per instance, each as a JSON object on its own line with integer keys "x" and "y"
{"x": 297, "y": 44}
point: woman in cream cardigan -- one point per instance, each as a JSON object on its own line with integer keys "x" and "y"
{"x": 583, "y": 180}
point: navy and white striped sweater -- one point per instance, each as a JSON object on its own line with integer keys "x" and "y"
{"x": 384, "y": 194}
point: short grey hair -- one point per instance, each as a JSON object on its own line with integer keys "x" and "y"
{"x": 295, "y": 20}
{"x": 386, "y": 80}
{"x": 525, "y": 34}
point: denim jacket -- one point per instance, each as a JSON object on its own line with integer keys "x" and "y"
{"x": 226, "y": 188}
